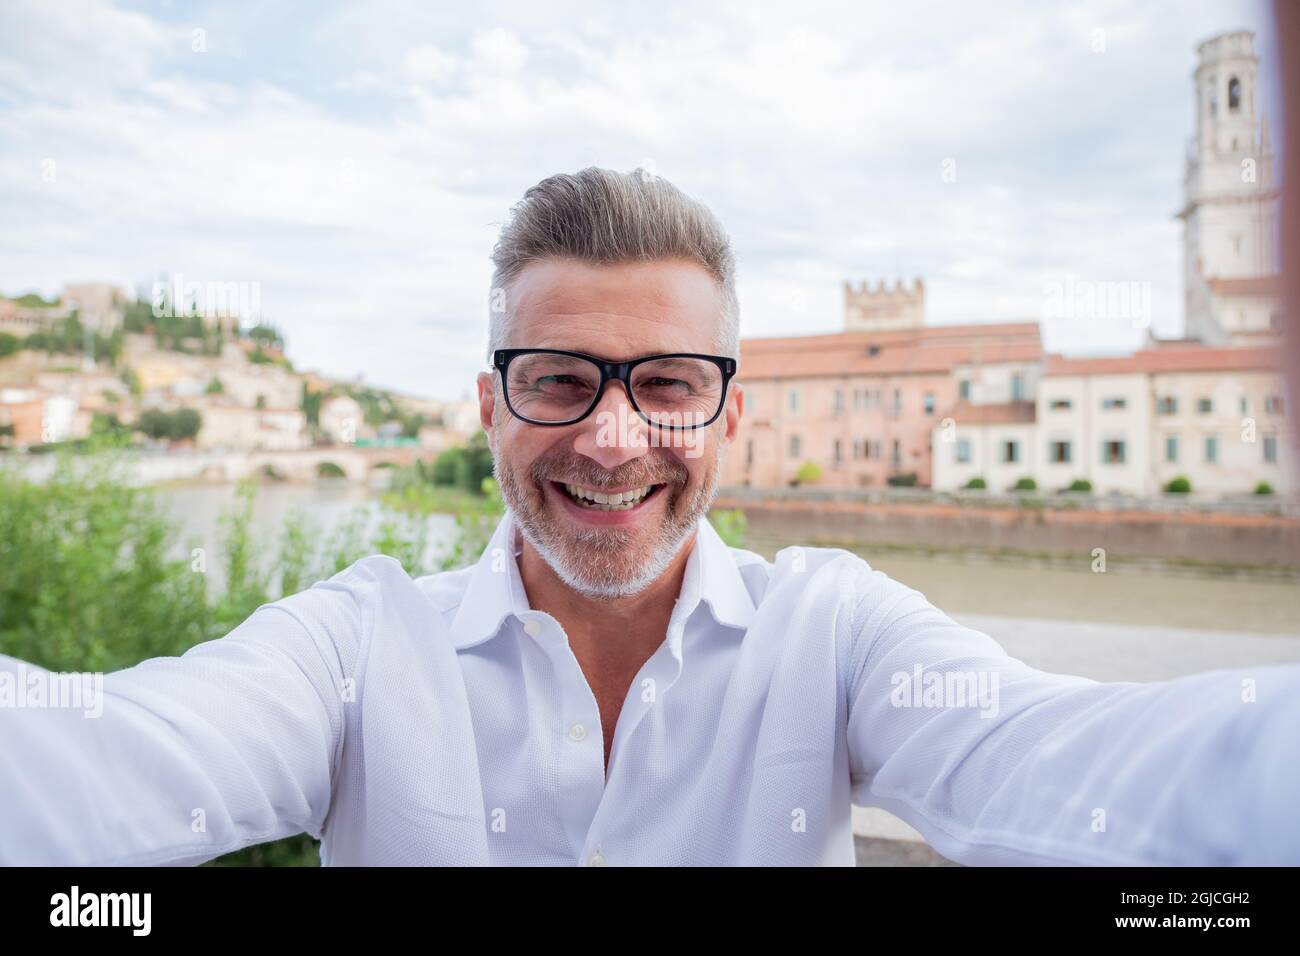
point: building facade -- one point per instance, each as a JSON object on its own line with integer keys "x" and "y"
{"x": 1230, "y": 264}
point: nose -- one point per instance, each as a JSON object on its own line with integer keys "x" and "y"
{"x": 613, "y": 433}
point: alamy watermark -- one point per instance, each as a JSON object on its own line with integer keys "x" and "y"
{"x": 36, "y": 688}
{"x": 627, "y": 429}
{"x": 208, "y": 300}
{"x": 1072, "y": 298}
{"x": 946, "y": 689}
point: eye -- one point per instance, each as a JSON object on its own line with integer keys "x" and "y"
{"x": 661, "y": 382}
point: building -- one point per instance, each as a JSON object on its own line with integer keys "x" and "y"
{"x": 1231, "y": 287}
{"x": 238, "y": 428}
{"x": 33, "y": 416}
{"x": 883, "y": 308}
{"x": 862, "y": 405}
{"x": 341, "y": 419}
{"x": 1130, "y": 424}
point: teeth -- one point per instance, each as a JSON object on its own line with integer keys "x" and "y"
{"x": 620, "y": 501}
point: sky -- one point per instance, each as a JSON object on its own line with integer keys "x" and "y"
{"x": 353, "y": 162}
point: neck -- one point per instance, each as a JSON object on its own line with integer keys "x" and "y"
{"x": 613, "y": 630}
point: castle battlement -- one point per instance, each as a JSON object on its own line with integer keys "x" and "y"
{"x": 869, "y": 307}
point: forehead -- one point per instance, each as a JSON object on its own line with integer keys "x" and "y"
{"x": 616, "y": 311}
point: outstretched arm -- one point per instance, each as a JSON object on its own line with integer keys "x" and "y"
{"x": 996, "y": 762}
{"x": 229, "y": 745}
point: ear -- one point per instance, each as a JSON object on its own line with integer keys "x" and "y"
{"x": 487, "y": 398}
{"x": 733, "y": 412}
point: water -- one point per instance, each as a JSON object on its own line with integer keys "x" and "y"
{"x": 1139, "y": 595}
{"x": 198, "y": 510}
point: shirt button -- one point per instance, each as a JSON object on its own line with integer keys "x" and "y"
{"x": 533, "y": 627}
{"x": 577, "y": 732}
{"x": 596, "y": 859}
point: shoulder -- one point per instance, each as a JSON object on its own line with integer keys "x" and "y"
{"x": 819, "y": 576}
{"x": 345, "y": 603}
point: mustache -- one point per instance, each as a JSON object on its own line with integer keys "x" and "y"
{"x": 583, "y": 471}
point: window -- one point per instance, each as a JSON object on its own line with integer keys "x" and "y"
{"x": 1204, "y": 405}
{"x": 859, "y": 398}
{"x": 1017, "y": 386}
{"x": 1167, "y": 405}
{"x": 837, "y": 402}
{"x": 1060, "y": 404}
{"x": 793, "y": 400}
{"x": 1234, "y": 95}
{"x": 1270, "y": 449}
{"x": 1114, "y": 402}
{"x": 963, "y": 389}
{"x": 1112, "y": 452}
{"x": 1273, "y": 404}
{"x": 1010, "y": 451}
{"x": 963, "y": 451}
{"x": 795, "y": 450}
{"x": 1211, "y": 448}
{"x": 837, "y": 454}
{"x": 1243, "y": 405}
{"x": 929, "y": 403}
{"x": 898, "y": 401}
{"x": 1171, "y": 448}
{"x": 1059, "y": 453}
{"x": 749, "y": 453}
{"x": 896, "y": 454}
{"x": 857, "y": 448}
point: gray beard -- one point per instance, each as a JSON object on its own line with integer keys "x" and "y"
{"x": 595, "y": 561}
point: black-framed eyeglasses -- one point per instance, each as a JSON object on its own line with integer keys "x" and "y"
{"x": 678, "y": 390}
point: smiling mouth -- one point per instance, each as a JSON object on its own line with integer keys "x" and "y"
{"x": 606, "y": 501}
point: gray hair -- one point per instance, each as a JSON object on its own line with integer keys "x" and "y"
{"x": 605, "y": 217}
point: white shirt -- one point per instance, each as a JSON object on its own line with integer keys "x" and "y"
{"x": 441, "y": 721}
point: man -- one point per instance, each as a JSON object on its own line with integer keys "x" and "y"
{"x": 610, "y": 683}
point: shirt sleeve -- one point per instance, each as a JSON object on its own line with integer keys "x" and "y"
{"x": 997, "y": 763}
{"x": 232, "y": 744}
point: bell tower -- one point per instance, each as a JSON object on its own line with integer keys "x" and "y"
{"x": 1230, "y": 210}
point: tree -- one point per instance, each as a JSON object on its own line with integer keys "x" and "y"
{"x": 809, "y": 473}
{"x": 186, "y": 423}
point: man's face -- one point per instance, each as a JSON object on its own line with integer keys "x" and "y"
{"x": 615, "y": 312}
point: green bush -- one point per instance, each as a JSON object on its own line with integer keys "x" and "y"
{"x": 809, "y": 473}
{"x": 1263, "y": 488}
{"x": 1178, "y": 486}
{"x": 1080, "y": 484}
{"x": 905, "y": 480}
{"x": 730, "y": 526}
{"x": 1025, "y": 484}
{"x": 464, "y": 466}
{"x": 977, "y": 484}
{"x": 89, "y": 584}
{"x": 173, "y": 426}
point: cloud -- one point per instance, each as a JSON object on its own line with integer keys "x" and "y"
{"x": 358, "y": 164}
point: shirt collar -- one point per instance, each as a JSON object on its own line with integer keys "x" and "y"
{"x": 496, "y": 589}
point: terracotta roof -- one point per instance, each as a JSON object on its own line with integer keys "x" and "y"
{"x": 1181, "y": 359}
{"x": 931, "y": 349}
{"x": 1001, "y": 413}
{"x": 1255, "y": 285}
